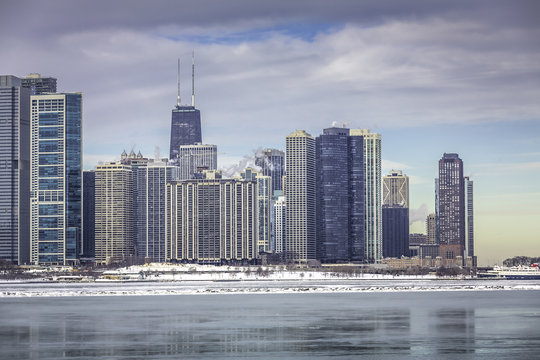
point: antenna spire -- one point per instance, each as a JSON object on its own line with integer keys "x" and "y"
{"x": 193, "y": 78}
{"x": 178, "y": 79}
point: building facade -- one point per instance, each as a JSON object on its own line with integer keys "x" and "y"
{"x": 280, "y": 222}
{"x": 14, "y": 170}
{"x": 373, "y": 194}
{"x": 395, "y": 231}
{"x": 185, "y": 129}
{"x": 212, "y": 221}
{"x": 431, "y": 229}
{"x": 39, "y": 85}
{"x": 469, "y": 216}
{"x": 396, "y": 189}
{"x": 451, "y": 201}
{"x": 89, "y": 213}
{"x": 56, "y": 178}
{"x": 272, "y": 163}
{"x": 300, "y": 246}
{"x": 193, "y": 159}
{"x": 113, "y": 213}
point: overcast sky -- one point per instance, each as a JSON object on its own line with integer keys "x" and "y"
{"x": 430, "y": 76}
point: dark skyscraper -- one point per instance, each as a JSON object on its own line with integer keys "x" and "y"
{"x": 451, "y": 202}
{"x": 14, "y": 170}
{"x": 39, "y": 85}
{"x": 186, "y": 121}
{"x": 89, "y": 213}
{"x": 340, "y": 196}
{"x": 395, "y": 231}
{"x": 272, "y": 163}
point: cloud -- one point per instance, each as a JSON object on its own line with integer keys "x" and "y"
{"x": 418, "y": 214}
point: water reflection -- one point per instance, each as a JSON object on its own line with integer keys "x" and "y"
{"x": 455, "y": 330}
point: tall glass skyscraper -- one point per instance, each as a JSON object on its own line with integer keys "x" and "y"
{"x": 14, "y": 170}
{"x": 470, "y": 215}
{"x": 56, "y": 178}
{"x": 89, "y": 213}
{"x": 340, "y": 196}
{"x": 185, "y": 128}
{"x": 272, "y": 163}
{"x": 193, "y": 158}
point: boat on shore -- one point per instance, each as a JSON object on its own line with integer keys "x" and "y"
{"x": 512, "y": 273}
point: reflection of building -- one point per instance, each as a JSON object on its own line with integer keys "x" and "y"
{"x": 114, "y": 213}
{"x": 272, "y": 163}
{"x": 300, "y": 197}
{"x": 340, "y": 196}
{"x": 211, "y": 220}
{"x": 373, "y": 195}
{"x": 396, "y": 189}
{"x": 395, "y": 231}
{"x": 194, "y": 158}
{"x": 56, "y": 178}
{"x": 15, "y": 171}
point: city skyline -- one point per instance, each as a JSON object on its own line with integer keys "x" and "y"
{"x": 439, "y": 78}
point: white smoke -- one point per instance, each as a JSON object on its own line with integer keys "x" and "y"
{"x": 248, "y": 160}
{"x": 419, "y": 214}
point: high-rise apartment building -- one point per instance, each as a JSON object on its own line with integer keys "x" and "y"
{"x": 396, "y": 189}
{"x": 56, "y": 178}
{"x": 340, "y": 196}
{"x": 39, "y": 85}
{"x": 279, "y": 224}
{"x": 272, "y": 163}
{"x": 193, "y": 159}
{"x": 14, "y": 170}
{"x": 469, "y": 220}
{"x": 373, "y": 194}
{"x": 212, "y": 220}
{"x": 89, "y": 213}
{"x": 300, "y": 197}
{"x": 431, "y": 229}
{"x": 113, "y": 213}
{"x": 451, "y": 201}
{"x": 185, "y": 122}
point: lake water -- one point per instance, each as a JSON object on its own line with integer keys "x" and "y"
{"x": 420, "y": 325}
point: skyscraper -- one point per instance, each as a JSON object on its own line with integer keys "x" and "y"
{"x": 114, "y": 213}
{"x": 89, "y": 213}
{"x": 300, "y": 197}
{"x": 194, "y": 158}
{"x": 395, "y": 231}
{"x": 39, "y": 85}
{"x": 396, "y": 189}
{"x": 431, "y": 229}
{"x": 470, "y": 216}
{"x": 451, "y": 206}
{"x": 373, "y": 211}
{"x": 56, "y": 178}
{"x": 272, "y": 163}
{"x": 14, "y": 170}
{"x": 340, "y": 196}
{"x": 186, "y": 121}
{"x": 279, "y": 224}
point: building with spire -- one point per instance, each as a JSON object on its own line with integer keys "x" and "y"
{"x": 185, "y": 122}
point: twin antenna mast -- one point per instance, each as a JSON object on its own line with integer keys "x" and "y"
{"x": 178, "y": 103}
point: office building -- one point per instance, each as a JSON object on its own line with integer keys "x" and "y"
{"x": 396, "y": 189}
{"x": 340, "y": 196}
{"x": 185, "y": 122}
{"x": 193, "y": 159}
{"x": 14, "y": 171}
{"x": 272, "y": 163}
{"x": 212, "y": 220}
{"x": 373, "y": 194}
{"x": 417, "y": 239}
{"x": 89, "y": 213}
{"x": 469, "y": 217}
{"x": 56, "y": 178}
{"x": 395, "y": 231}
{"x": 300, "y": 198}
{"x": 113, "y": 213}
{"x": 280, "y": 221}
{"x": 39, "y": 85}
{"x": 451, "y": 200}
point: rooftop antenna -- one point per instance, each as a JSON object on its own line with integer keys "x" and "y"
{"x": 178, "y": 79}
{"x": 193, "y": 78}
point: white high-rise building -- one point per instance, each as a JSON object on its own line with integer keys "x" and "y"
{"x": 396, "y": 189}
{"x": 279, "y": 224}
{"x": 193, "y": 159}
{"x": 431, "y": 229}
{"x": 113, "y": 213}
{"x": 373, "y": 198}
{"x": 300, "y": 197}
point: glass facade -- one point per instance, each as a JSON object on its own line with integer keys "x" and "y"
{"x": 56, "y": 174}
{"x": 89, "y": 213}
{"x": 185, "y": 129}
{"x": 272, "y": 163}
{"x": 395, "y": 231}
